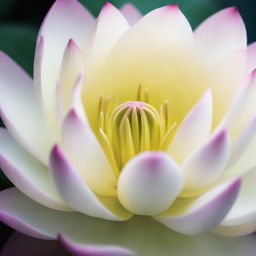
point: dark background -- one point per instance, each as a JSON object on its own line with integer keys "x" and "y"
{"x": 20, "y": 21}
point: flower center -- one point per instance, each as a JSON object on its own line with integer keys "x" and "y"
{"x": 133, "y": 127}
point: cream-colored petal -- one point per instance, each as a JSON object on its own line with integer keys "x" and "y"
{"x": 72, "y": 66}
{"x": 110, "y": 26}
{"x": 77, "y": 194}
{"x": 67, "y": 19}
{"x": 81, "y": 145}
{"x": 193, "y": 130}
{"x": 28, "y": 174}
{"x": 20, "y": 109}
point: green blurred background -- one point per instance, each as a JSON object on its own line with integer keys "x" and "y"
{"x": 20, "y": 20}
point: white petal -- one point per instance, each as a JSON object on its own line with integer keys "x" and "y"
{"x": 131, "y": 13}
{"x": 149, "y": 183}
{"x": 67, "y": 19}
{"x": 138, "y": 234}
{"x": 71, "y": 68}
{"x": 241, "y": 219}
{"x": 242, "y": 143}
{"x": 20, "y": 110}
{"x": 87, "y": 155}
{"x": 197, "y": 215}
{"x": 207, "y": 164}
{"x": 243, "y": 107}
{"x": 251, "y": 57}
{"x": 194, "y": 129}
{"x": 28, "y": 174}
{"x": 221, "y": 34}
{"x": 111, "y": 24}
{"x": 78, "y": 195}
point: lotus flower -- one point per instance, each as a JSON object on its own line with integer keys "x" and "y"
{"x": 135, "y": 134}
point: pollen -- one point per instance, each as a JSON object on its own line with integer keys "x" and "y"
{"x": 133, "y": 127}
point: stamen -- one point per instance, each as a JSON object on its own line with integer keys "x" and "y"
{"x": 132, "y": 127}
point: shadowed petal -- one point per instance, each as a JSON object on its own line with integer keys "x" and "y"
{"x": 142, "y": 235}
{"x": 93, "y": 250}
{"x": 131, "y": 13}
{"x": 19, "y": 244}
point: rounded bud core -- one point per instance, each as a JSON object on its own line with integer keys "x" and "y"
{"x": 149, "y": 183}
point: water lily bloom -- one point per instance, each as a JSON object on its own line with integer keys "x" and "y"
{"x": 134, "y": 134}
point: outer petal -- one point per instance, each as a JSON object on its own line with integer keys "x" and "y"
{"x": 78, "y": 195}
{"x": 197, "y": 215}
{"x": 87, "y": 155}
{"x": 18, "y": 105}
{"x": 138, "y": 234}
{"x": 19, "y": 244}
{"x": 67, "y": 19}
{"x": 221, "y": 34}
{"x": 131, "y": 13}
{"x": 28, "y": 174}
{"x": 93, "y": 250}
{"x": 241, "y": 219}
{"x": 251, "y": 57}
{"x": 194, "y": 129}
{"x": 207, "y": 164}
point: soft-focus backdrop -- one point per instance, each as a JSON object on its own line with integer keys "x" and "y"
{"x": 20, "y": 21}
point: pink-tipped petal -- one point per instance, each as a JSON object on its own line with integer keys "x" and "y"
{"x": 66, "y": 19}
{"x": 221, "y": 34}
{"x": 207, "y": 163}
{"x": 149, "y": 183}
{"x": 251, "y": 57}
{"x": 110, "y": 26}
{"x": 71, "y": 68}
{"x": 131, "y": 13}
{"x": 93, "y": 250}
{"x": 18, "y": 104}
{"x": 198, "y": 215}
{"x": 76, "y": 192}
{"x": 194, "y": 129}
{"x": 87, "y": 155}
{"x": 28, "y": 174}
{"x": 137, "y": 234}
{"x": 241, "y": 220}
